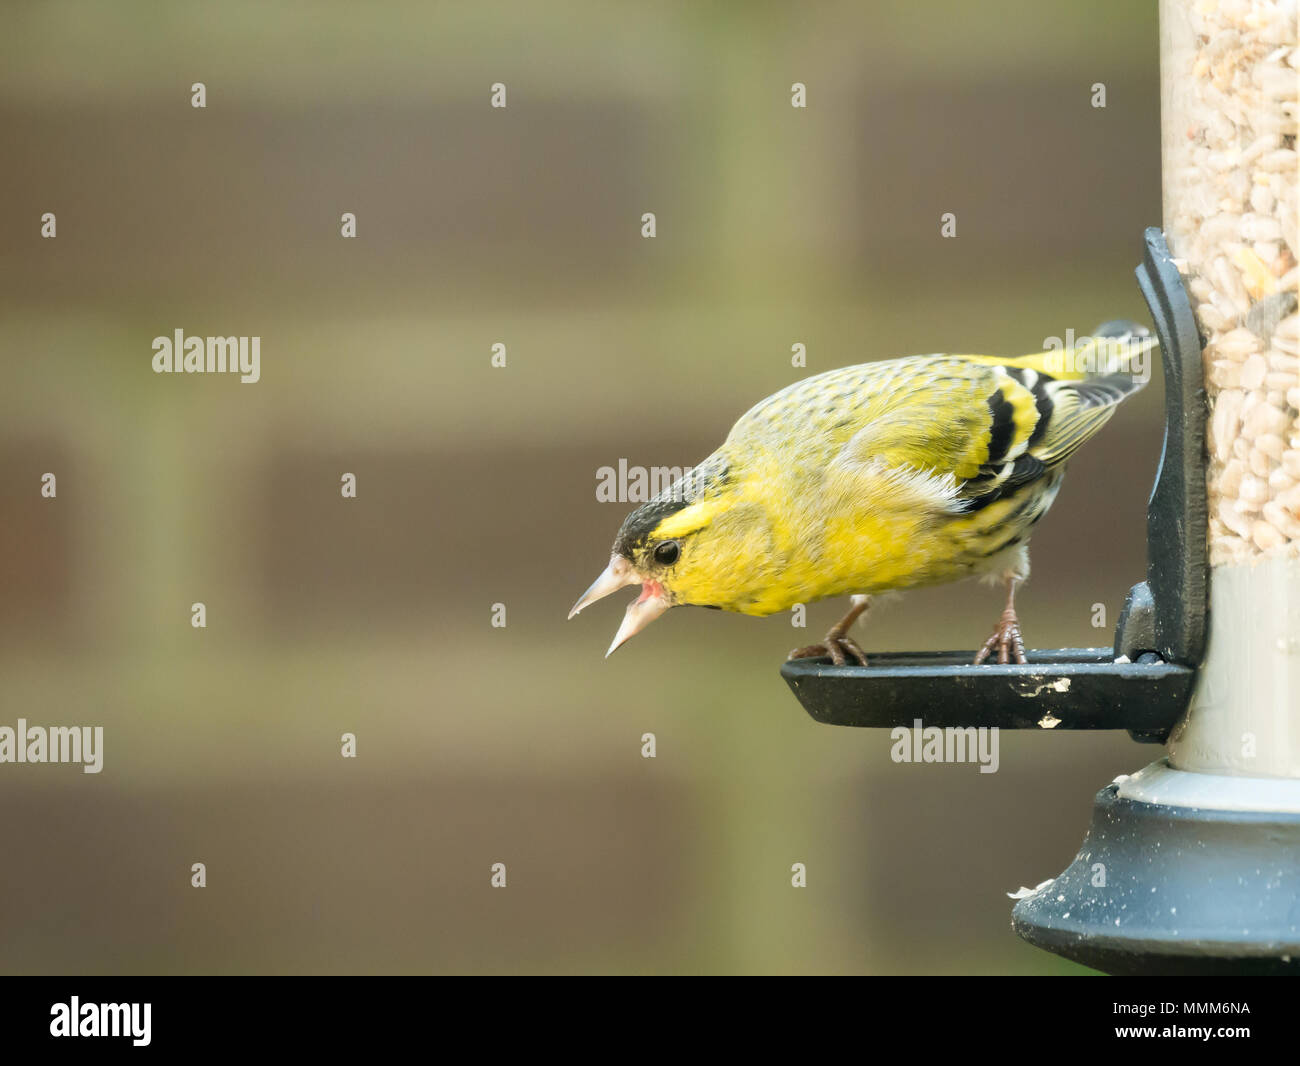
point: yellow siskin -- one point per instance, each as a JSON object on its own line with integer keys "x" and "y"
{"x": 874, "y": 478}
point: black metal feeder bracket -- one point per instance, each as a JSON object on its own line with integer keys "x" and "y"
{"x": 1142, "y": 684}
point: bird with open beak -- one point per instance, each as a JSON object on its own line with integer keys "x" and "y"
{"x": 875, "y": 478}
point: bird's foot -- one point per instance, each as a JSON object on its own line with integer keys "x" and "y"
{"x": 1006, "y": 641}
{"x": 839, "y": 648}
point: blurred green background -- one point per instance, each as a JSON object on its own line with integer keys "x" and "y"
{"x": 477, "y": 485}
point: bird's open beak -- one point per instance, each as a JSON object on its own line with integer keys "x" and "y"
{"x": 648, "y": 606}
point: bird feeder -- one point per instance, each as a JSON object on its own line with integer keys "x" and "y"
{"x": 1192, "y": 864}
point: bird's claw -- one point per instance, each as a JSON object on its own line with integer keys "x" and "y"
{"x": 835, "y": 647}
{"x": 1006, "y": 640}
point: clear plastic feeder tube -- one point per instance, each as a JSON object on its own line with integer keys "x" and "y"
{"x": 1230, "y": 71}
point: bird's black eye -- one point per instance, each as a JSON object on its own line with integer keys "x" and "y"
{"x": 666, "y": 553}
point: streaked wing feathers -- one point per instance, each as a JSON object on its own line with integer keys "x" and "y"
{"x": 992, "y": 425}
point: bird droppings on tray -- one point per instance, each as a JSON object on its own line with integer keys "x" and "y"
{"x": 1025, "y": 893}
{"x": 1061, "y": 684}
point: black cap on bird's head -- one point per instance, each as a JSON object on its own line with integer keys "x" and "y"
{"x": 637, "y": 530}
{"x": 649, "y": 545}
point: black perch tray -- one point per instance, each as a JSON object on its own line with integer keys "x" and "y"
{"x": 1159, "y": 641}
{"x": 1068, "y": 688}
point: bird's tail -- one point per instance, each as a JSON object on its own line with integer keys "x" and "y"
{"x": 1119, "y": 350}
